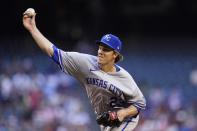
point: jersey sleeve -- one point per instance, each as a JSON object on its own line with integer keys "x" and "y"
{"x": 72, "y": 63}
{"x": 137, "y": 99}
{"x": 133, "y": 94}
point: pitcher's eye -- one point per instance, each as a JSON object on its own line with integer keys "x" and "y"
{"x": 106, "y": 49}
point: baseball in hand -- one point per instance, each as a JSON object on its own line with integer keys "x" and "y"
{"x": 29, "y": 12}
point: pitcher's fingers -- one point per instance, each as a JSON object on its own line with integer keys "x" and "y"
{"x": 34, "y": 16}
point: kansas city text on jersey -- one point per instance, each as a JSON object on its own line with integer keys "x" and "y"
{"x": 104, "y": 84}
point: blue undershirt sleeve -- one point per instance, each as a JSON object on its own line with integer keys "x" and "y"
{"x": 55, "y": 56}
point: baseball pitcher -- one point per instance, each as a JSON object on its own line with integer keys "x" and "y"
{"x": 114, "y": 95}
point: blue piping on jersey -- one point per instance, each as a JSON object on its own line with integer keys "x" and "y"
{"x": 126, "y": 125}
{"x": 117, "y": 68}
{"x": 139, "y": 105}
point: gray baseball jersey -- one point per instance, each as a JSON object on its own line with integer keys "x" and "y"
{"x": 106, "y": 91}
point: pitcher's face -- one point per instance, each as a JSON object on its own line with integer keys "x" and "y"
{"x": 106, "y": 55}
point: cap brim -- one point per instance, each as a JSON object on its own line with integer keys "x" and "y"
{"x": 104, "y": 44}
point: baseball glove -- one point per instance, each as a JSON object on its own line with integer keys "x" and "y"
{"x": 109, "y": 118}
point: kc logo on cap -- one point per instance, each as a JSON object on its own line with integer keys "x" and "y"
{"x": 107, "y": 37}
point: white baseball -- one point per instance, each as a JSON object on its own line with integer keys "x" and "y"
{"x": 30, "y": 12}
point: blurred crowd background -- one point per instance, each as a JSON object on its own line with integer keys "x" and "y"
{"x": 159, "y": 46}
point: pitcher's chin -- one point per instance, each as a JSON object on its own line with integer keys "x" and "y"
{"x": 100, "y": 61}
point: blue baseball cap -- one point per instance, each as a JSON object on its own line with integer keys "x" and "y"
{"x": 113, "y": 42}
